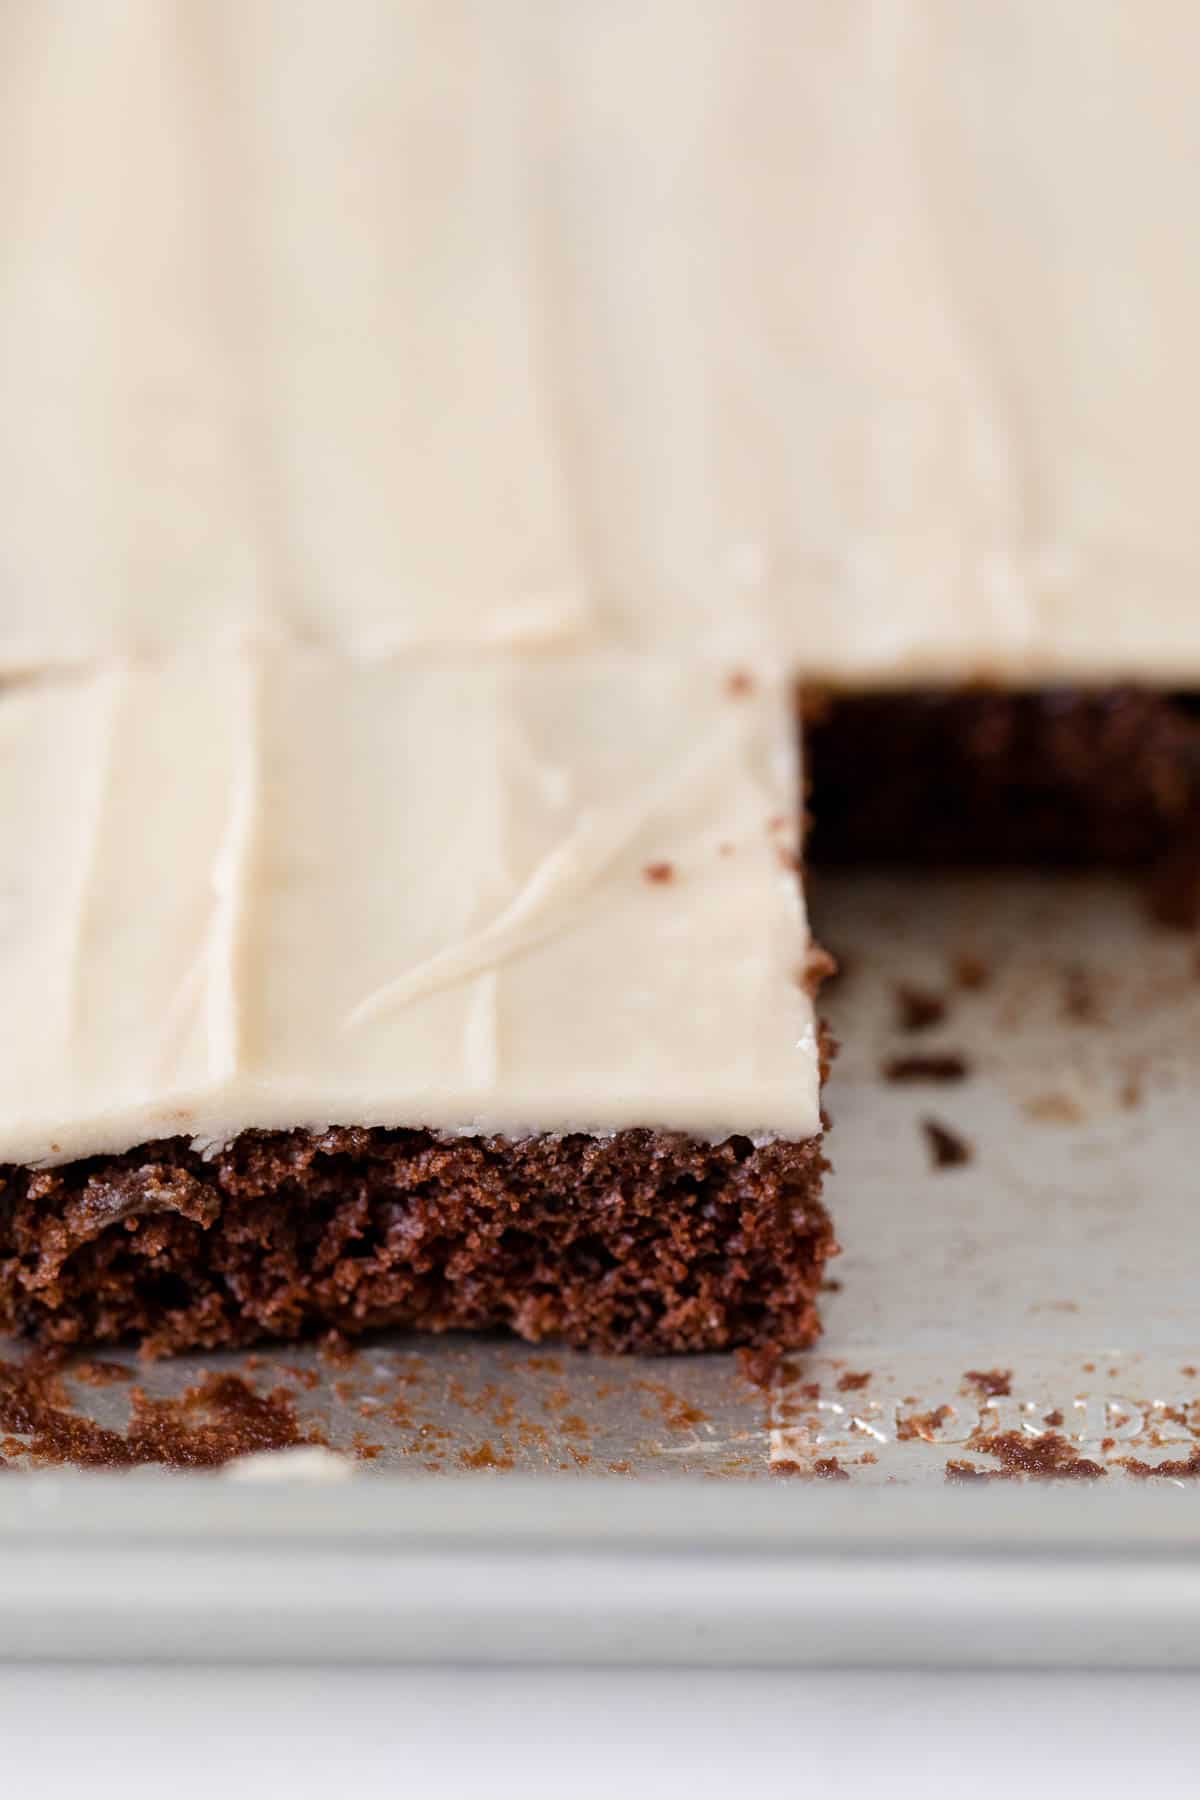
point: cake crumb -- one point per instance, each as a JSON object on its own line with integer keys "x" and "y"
{"x": 917, "y": 1009}
{"x": 1047, "y": 1456}
{"x": 904, "y": 1070}
{"x": 825, "y": 1468}
{"x": 485, "y": 1457}
{"x": 761, "y": 1366}
{"x": 993, "y": 1382}
{"x": 1131, "y": 1093}
{"x": 922, "y": 1425}
{"x": 739, "y": 683}
{"x": 947, "y": 1149}
{"x": 676, "y": 1412}
{"x": 335, "y": 1348}
{"x": 1055, "y": 1109}
{"x": 659, "y": 872}
{"x": 970, "y": 972}
{"x": 1185, "y": 1468}
{"x": 852, "y": 1381}
{"x": 213, "y": 1422}
{"x": 95, "y": 1372}
{"x": 817, "y": 968}
{"x": 1079, "y": 1003}
{"x": 957, "y": 1469}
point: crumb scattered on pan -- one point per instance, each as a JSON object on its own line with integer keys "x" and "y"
{"x": 904, "y": 1070}
{"x": 818, "y": 968}
{"x": 1079, "y": 1003}
{"x": 1055, "y": 1109}
{"x": 485, "y": 1457}
{"x": 1185, "y": 1468}
{"x": 659, "y": 872}
{"x": 1053, "y": 1418}
{"x": 970, "y": 971}
{"x": 96, "y": 1372}
{"x": 917, "y": 1009}
{"x": 825, "y": 1468}
{"x": 960, "y": 1470}
{"x": 211, "y": 1423}
{"x": 853, "y": 1380}
{"x": 675, "y": 1411}
{"x": 1049, "y": 1456}
{"x": 947, "y": 1149}
{"x": 761, "y": 1366}
{"x": 307, "y": 1378}
{"x": 922, "y": 1425}
{"x": 337, "y": 1350}
{"x": 993, "y": 1382}
{"x": 1132, "y": 1090}
{"x": 739, "y": 683}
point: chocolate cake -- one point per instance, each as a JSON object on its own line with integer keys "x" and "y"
{"x": 640, "y": 1241}
{"x": 360, "y": 995}
{"x": 436, "y": 444}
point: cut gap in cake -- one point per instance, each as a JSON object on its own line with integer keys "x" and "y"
{"x": 1048, "y": 778}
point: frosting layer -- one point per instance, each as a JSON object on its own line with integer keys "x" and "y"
{"x": 284, "y": 889}
{"x": 857, "y": 338}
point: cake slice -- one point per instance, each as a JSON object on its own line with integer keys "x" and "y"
{"x": 410, "y": 994}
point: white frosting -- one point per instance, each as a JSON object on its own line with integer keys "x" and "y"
{"x": 860, "y": 337}
{"x": 268, "y": 332}
{"x": 291, "y": 890}
{"x": 856, "y": 340}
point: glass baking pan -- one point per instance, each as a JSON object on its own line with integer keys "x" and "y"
{"x": 991, "y": 1458}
